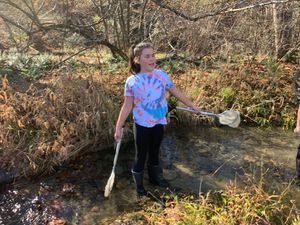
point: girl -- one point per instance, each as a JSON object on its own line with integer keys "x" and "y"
{"x": 145, "y": 94}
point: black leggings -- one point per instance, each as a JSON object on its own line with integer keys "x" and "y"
{"x": 147, "y": 140}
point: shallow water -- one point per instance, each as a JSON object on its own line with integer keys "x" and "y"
{"x": 195, "y": 160}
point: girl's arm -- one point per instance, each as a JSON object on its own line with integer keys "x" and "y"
{"x": 181, "y": 97}
{"x": 124, "y": 112}
{"x": 297, "y": 129}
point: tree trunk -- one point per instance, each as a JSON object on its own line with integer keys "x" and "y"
{"x": 102, "y": 13}
{"x": 282, "y": 19}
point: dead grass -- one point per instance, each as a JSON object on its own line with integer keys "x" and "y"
{"x": 43, "y": 127}
{"x": 249, "y": 205}
{"x": 263, "y": 97}
{"x": 71, "y": 110}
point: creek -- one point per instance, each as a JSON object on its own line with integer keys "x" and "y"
{"x": 195, "y": 159}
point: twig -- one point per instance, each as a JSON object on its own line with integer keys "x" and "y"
{"x": 222, "y": 166}
{"x": 218, "y": 12}
{"x": 156, "y": 198}
{"x": 71, "y": 56}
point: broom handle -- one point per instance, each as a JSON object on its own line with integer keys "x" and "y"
{"x": 117, "y": 150}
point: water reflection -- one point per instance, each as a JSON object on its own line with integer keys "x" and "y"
{"x": 195, "y": 160}
{"x": 208, "y": 157}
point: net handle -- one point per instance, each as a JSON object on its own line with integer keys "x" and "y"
{"x": 230, "y": 118}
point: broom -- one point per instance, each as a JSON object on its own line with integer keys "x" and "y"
{"x": 111, "y": 179}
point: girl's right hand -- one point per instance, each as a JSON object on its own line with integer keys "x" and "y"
{"x": 297, "y": 130}
{"x": 118, "y": 134}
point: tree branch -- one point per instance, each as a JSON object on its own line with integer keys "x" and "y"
{"x": 221, "y": 11}
{"x": 10, "y": 21}
{"x": 16, "y": 6}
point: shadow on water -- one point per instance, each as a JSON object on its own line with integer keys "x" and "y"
{"x": 195, "y": 160}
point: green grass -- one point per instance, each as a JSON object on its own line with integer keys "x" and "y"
{"x": 253, "y": 204}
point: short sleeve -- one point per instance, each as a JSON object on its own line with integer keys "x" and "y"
{"x": 128, "y": 88}
{"x": 169, "y": 82}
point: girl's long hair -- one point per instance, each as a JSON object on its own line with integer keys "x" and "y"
{"x": 136, "y": 51}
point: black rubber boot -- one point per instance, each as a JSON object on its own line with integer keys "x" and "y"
{"x": 156, "y": 176}
{"x": 138, "y": 180}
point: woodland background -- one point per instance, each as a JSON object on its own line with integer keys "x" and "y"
{"x": 195, "y": 29}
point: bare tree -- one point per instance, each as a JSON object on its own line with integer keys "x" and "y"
{"x": 198, "y": 28}
{"x": 282, "y": 22}
{"x": 37, "y": 20}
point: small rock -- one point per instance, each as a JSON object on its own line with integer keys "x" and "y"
{"x": 8, "y": 177}
{"x": 56, "y": 221}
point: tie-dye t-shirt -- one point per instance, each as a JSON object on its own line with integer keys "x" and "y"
{"x": 148, "y": 91}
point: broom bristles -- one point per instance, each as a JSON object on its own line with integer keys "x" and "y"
{"x": 109, "y": 185}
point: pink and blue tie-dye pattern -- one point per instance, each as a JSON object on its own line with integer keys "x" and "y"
{"x": 148, "y": 91}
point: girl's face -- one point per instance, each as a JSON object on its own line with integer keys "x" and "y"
{"x": 147, "y": 60}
